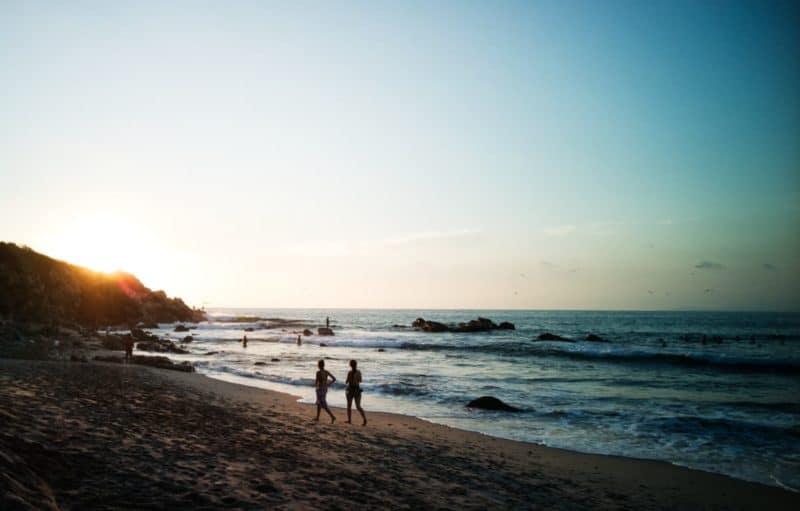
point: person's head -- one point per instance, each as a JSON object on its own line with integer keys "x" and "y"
{"x": 353, "y": 364}
{"x": 321, "y": 364}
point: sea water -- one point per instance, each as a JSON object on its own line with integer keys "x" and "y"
{"x": 708, "y": 390}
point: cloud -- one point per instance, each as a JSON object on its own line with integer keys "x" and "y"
{"x": 769, "y": 267}
{"x": 430, "y": 236}
{"x": 709, "y": 265}
{"x": 559, "y": 230}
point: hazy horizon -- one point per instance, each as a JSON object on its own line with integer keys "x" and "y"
{"x": 527, "y": 156}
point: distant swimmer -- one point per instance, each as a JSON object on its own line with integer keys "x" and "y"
{"x": 354, "y": 392}
{"x": 299, "y": 342}
{"x": 321, "y": 382}
{"x": 244, "y": 341}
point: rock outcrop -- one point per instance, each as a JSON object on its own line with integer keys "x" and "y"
{"x": 474, "y": 325}
{"x": 491, "y": 403}
{"x": 307, "y": 332}
{"x": 324, "y": 331}
{"x": 595, "y": 338}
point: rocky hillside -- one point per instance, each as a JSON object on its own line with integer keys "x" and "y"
{"x": 34, "y": 287}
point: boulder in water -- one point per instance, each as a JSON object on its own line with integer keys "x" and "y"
{"x": 547, "y": 336}
{"x": 491, "y": 403}
{"x": 181, "y": 328}
{"x": 188, "y": 338}
{"x": 595, "y": 338}
{"x": 307, "y": 332}
{"x": 505, "y": 325}
{"x": 324, "y": 331}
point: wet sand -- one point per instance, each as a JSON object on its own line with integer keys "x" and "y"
{"x": 105, "y": 436}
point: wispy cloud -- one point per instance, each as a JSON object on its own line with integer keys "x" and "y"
{"x": 559, "y": 230}
{"x": 709, "y": 265}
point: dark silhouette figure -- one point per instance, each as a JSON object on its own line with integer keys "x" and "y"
{"x": 299, "y": 342}
{"x": 128, "y": 349}
{"x": 321, "y": 383}
{"x": 354, "y": 392}
{"x": 327, "y": 322}
{"x": 244, "y": 341}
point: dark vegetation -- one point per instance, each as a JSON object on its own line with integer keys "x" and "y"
{"x": 38, "y": 288}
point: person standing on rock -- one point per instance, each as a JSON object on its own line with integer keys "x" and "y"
{"x": 244, "y": 342}
{"x": 327, "y": 322}
{"x": 353, "y": 392}
{"x": 322, "y": 381}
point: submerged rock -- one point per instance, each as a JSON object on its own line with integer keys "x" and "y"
{"x": 547, "y": 336}
{"x": 181, "y": 328}
{"x": 595, "y": 338}
{"x": 307, "y": 332}
{"x": 491, "y": 403}
{"x": 324, "y": 331}
{"x": 188, "y": 338}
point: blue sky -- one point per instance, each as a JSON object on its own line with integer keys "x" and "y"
{"x": 467, "y": 154}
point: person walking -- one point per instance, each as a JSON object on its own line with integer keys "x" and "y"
{"x": 321, "y": 382}
{"x": 353, "y": 392}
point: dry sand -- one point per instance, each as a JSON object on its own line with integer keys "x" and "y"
{"x": 97, "y": 436}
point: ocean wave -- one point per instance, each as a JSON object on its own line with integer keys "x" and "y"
{"x": 641, "y": 357}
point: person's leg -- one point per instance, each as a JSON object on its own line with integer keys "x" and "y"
{"x": 349, "y": 407}
{"x": 360, "y": 410}
{"x": 318, "y": 410}
{"x": 333, "y": 419}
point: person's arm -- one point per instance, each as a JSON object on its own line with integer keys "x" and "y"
{"x": 333, "y": 378}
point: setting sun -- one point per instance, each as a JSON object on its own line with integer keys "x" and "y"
{"x": 109, "y": 244}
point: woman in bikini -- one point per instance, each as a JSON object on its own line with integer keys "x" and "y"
{"x": 354, "y": 392}
{"x": 322, "y": 383}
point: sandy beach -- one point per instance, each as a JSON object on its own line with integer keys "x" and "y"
{"x": 105, "y": 436}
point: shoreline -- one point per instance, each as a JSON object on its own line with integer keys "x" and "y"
{"x": 490, "y": 436}
{"x": 395, "y": 461}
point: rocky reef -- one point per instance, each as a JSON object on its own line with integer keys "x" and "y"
{"x": 474, "y": 325}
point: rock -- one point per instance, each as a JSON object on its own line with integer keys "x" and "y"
{"x": 381, "y": 350}
{"x": 181, "y": 328}
{"x": 210, "y": 353}
{"x": 595, "y": 338}
{"x": 491, "y": 403}
{"x": 261, "y": 363}
{"x": 474, "y": 325}
{"x": 324, "y": 331}
{"x": 307, "y": 332}
{"x": 399, "y": 326}
{"x": 547, "y": 336}
{"x": 188, "y": 338}
{"x": 162, "y": 363}
{"x": 78, "y": 358}
{"x": 322, "y": 345}
{"x": 160, "y": 346}
{"x": 249, "y": 329}
{"x": 115, "y": 342}
{"x": 149, "y": 325}
{"x": 275, "y": 360}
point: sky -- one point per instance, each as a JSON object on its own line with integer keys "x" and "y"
{"x": 533, "y": 155}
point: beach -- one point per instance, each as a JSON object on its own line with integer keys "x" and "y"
{"x": 108, "y": 436}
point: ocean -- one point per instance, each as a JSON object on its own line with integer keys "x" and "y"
{"x": 716, "y": 391}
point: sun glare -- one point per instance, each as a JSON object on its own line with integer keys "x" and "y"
{"x": 107, "y": 244}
